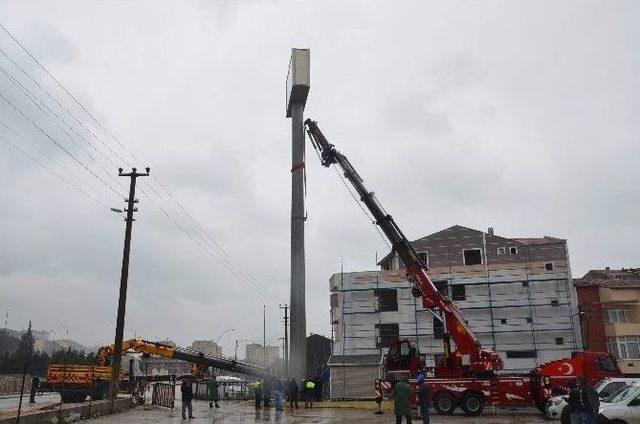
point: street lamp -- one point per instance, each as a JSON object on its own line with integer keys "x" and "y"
{"x": 235, "y": 356}
{"x": 228, "y": 330}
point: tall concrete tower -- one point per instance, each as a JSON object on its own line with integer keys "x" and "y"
{"x": 297, "y": 91}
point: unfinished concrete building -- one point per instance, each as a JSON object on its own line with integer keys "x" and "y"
{"x": 515, "y": 293}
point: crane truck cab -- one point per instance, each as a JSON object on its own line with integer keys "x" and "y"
{"x": 403, "y": 359}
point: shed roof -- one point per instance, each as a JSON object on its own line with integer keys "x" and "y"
{"x": 610, "y": 278}
{"x": 354, "y": 360}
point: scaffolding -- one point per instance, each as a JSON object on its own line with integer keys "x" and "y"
{"x": 522, "y": 309}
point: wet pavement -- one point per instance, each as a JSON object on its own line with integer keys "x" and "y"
{"x": 234, "y": 412}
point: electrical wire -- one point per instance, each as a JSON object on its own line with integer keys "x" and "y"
{"x": 60, "y": 177}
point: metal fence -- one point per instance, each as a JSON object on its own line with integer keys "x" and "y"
{"x": 164, "y": 394}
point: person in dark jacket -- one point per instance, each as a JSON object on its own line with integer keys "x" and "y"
{"x": 574, "y": 403}
{"x": 590, "y": 400}
{"x": 214, "y": 396}
{"x": 401, "y": 407}
{"x": 424, "y": 397}
{"x": 187, "y": 397}
{"x": 257, "y": 393}
{"x": 293, "y": 391}
{"x": 266, "y": 392}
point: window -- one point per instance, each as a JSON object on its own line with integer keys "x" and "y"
{"x": 438, "y": 329}
{"x": 548, "y": 266}
{"x": 501, "y": 250}
{"x": 525, "y": 284}
{"x": 517, "y": 354}
{"x": 472, "y": 256}
{"x": 529, "y": 320}
{"x": 424, "y": 257}
{"x": 624, "y": 347}
{"x": 554, "y": 302}
{"x": 387, "y": 334}
{"x": 559, "y": 340}
{"x": 611, "y": 388}
{"x": 503, "y": 321}
{"x": 513, "y": 250}
{"x": 387, "y": 299}
{"x": 442, "y": 287}
{"x": 611, "y": 316}
{"x": 458, "y": 292}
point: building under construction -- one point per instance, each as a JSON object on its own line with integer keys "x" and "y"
{"x": 515, "y": 293}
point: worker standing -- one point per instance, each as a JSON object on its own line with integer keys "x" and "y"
{"x": 309, "y": 386}
{"x": 294, "y": 392}
{"x": 257, "y": 392}
{"x": 590, "y": 400}
{"x": 402, "y": 393}
{"x": 278, "y": 388}
{"x": 423, "y": 398}
{"x": 214, "y": 396}
{"x": 187, "y": 397}
{"x": 266, "y": 392}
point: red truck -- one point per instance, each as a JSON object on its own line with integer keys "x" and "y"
{"x": 468, "y": 376}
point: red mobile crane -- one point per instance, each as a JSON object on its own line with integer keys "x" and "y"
{"x": 468, "y": 375}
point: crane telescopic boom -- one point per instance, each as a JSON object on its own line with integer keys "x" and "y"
{"x": 469, "y": 356}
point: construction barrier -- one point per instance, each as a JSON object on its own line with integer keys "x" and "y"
{"x": 164, "y": 394}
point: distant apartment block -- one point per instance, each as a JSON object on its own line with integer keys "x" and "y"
{"x": 207, "y": 346}
{"x": 515, "y": 293}
{"x": 609, "y": 302}
{"x": 254, "y": 354}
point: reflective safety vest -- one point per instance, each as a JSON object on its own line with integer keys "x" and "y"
{"x": 311, "y": 385}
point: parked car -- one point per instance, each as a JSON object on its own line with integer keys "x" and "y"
{"x": 622, "y": 408}
{"x": 605, "y": 388}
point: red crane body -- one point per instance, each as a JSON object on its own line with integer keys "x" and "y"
{"x": 467, "y": 377}
{"x": 469, "y": 357}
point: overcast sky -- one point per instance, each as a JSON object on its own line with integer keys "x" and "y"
{"x": 520, "y": 116}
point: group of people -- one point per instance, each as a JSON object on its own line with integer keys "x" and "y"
{"x": 583, "y": 402}
{"x": 310, "y": 390}
{"x": 402, "y": 401}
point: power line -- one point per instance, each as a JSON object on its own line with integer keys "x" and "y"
{"x": 226, "y": 260}
{"x": 64, "y": 180}
{"x": 45, "y": 155}
{"x": 33, "y": 98}
{"x": 20, "y": 112}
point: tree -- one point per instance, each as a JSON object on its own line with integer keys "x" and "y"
{"x": 24, "y": 353}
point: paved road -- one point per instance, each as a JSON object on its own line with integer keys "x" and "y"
{"x": 244, "y": 413}
{"x": 10, "y": 402}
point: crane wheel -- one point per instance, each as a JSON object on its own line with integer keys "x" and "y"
{"x": 472, "y": 403}
{"x": 445, "y": 403}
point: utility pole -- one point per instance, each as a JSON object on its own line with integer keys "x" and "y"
{"x": 285, "y": 348}
{"x": 297, "y": 92}
{"x": 124, "y": 276}
{"x": 264, "y": 335}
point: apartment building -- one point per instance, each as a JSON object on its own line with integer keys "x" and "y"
{"x": 209, "y": 347}
{"x": 515, "y": 294}
{"x": 609, "y": 304}
{"x": 255, "y": 354}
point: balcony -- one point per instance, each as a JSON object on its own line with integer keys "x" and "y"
{"x": 622, "y": 329}
{"x": 630, "y": 295}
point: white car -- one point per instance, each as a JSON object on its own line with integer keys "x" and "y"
{"x": 605, "y": 388}
{"x": 622, "y": 408}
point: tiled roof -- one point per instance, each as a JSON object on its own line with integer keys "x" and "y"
{"x": 611, "y": 278}
{"x": 355, "y": 360}
{"x": 537, "y": 240}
